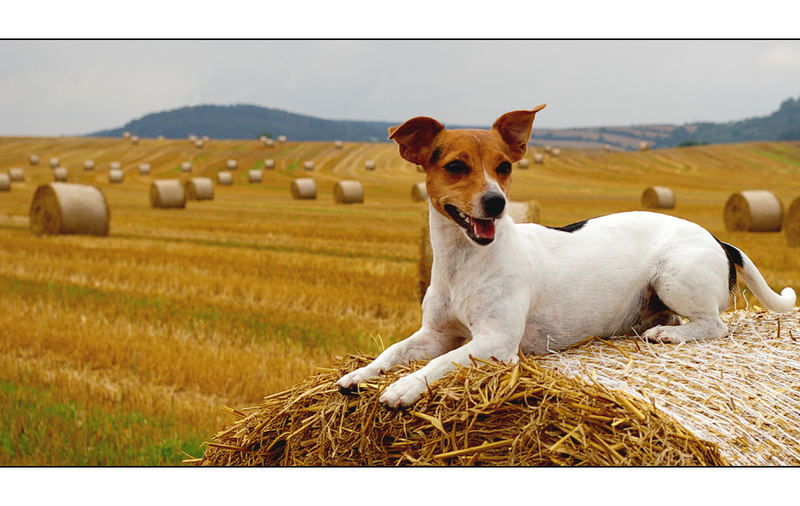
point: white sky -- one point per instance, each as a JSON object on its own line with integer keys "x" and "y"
{"x": 51, "y": 87}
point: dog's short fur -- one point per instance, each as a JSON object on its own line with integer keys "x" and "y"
{"x": 498, "y": 288}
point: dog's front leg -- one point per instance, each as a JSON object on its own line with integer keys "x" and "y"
{"x": 425, "y": 343}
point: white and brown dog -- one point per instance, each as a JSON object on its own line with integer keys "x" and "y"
{"x": 498, "y": 288}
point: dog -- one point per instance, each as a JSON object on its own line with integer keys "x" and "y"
{"x": 499, "y": 288}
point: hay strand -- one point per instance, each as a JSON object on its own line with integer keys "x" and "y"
{"x": 753, "y": 211}
{"x": 66, "y": 208}
{"x": 791, "y": 224}
{"x": 658, "y": 197}
{"x": 167, "y": 193}
{"x": 199, "y": 188}
{"x": 304, "y": 188}
{"x": 348, "y": 192}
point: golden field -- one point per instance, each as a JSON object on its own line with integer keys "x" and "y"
{"x": 121, "y": 350}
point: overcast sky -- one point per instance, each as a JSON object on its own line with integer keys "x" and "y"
{"x": 52, "y": 87}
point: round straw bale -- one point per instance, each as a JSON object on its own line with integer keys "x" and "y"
{"x": 263, "y": 138}
{"x": 658, "y": 197}
{"x": 232, "y": 164}
{"x": 144, "y": 168}
{"x": 304, "y": 188}
{"x": 66, "y": 208}
{"x": 186, "y": 166}
{"x": 198, "y": 143}
{"x": 524, "y": 212}
{"x": 644, "y": 146}
{"x": 369, "y": 165}
{"x": 115, "y": 176}
{"x": 538, "y": 158}
{"x": 254, "y": 176}
{"x": 348, "y": 192}
{"x": 548, "y": 148}
{"x": 192, "y": 137}
{"x": 60, "y": 174}
{"x": 33, "y": 159}
{"x": 115, "y": 166}
{"x": 160, "y": 137}
{"x": 88, "y": 165}
{"x": 126, "y": 135}
{"x": 5, "y": 182}
{"x": 281, "y": 138}
{"x": 523, "y": 164}
{"x": 308, "y": 165}
{"x": 167, "y": 193}
{"x": 753, "y": 211}
{"x": 200, "y": 188}
{"x": 224, "y": 178}
{"x": 55, "y": 162}
{"x": 338, "y": 144}
{"x": 16, "y": 174}
{"x": 206, "y": 138}
{"x": 269, "y": 143}
{"x": 606, "y": 147}
{"x": 791, "y": 224}
{"x": 135, "y": 139}
{"x": 419, "y": 192}
{"x": 269, "y": 163}
{"x": 556, "y": 151}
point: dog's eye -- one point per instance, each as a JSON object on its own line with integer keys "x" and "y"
{"x": 456, "y": 167}
{"x": 504, "y": 168}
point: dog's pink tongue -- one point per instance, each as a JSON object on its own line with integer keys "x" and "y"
{"x": 483, "y": 228}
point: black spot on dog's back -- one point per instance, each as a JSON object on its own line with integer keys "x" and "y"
{"x": 572, "y": 227}
{"x": 734, "y": 259}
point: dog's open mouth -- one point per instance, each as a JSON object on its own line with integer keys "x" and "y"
{"x": 480, "y": 231}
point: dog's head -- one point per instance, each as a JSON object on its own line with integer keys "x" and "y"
{"x": 468, "y": 172}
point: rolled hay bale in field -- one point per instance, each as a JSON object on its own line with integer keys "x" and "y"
{"x": 134, "y": 139}
{"x": 186, "y": 166}
{"x": 524, "y": 212}
{"x": 33, "y": 160}
{"x": 548, "y": 148}
{"x": 199, "y": 188}
{"x": 644, "y": 146}
{"x": 791, "y": 224}
{"x": 281, "y": 138}
{"x": 160, "y": 138}
{"x": 68, "y": 208}
{"x": 369, "y": 165}
{"x": 269, "y": 163}
{"x": 55, "y": 162}
{"x": 224, "y": 178}
{"x": 115, "y": 176}
{"x": 269, "y": 143}
{"x": 348, "y": 192}
{"x": 206, "y": 138}
{"x": 419, "y": 192}
{"x": 308, "y": 165}
{"x": 232, "y": 164}
{"x": 115, "y": 166}
{"x": 144, "y": 168}
{"x": 538, "y": 158}
{"x": 167, "y": 193}
{"x": 5, "y": 182}
{"x": 753, "y": 211}
{"x": 556, "y": 152}
{"x": 658, "y": 197}
{"x": 126, "y": 135}
{"x": 192, "y": 137}
{"x": 262, "y": 138}
{"x": 606, "y": 147}
{"x": 16, "y": 175}
{"x": 338, "y": 144}
{"x": 198, "y": 143}
{"x": 523, "y": 163}
{"x": 60, "y": 174}
{"x": 304, "y": 188}
{"x": 254, "y": 175}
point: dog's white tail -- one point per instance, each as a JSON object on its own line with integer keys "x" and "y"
{"x": 756, "y": 283}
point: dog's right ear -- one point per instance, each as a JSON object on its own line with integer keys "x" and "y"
{"x": 415, "y": 137}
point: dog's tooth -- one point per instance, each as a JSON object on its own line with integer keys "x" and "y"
{"x": 461, "y": 213}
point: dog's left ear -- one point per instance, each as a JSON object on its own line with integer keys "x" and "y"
{"x": 415, "y": 137}
{"x": 515, "y": 130}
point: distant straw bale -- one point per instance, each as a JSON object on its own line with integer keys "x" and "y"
{"x": 198, "y": 143}
{"x": 55, "y": 162}
{"x": 304, "y": 188}
{"x": 67, "y": 208}
{"x": 60, "y": 174}
{"x": 348, "y": 192}
{"x": 199, "y": 188}
{"x": 269, "y": 143}
{"x": 192, "y": 137}
{"x": 281, "y": 138}
{"x": 5, "y": 182}
{"x": 338, "y": 144}
{"x": 753, "y": 211}
{"x": 369, "y": 165}
{"x": 115, "y": 166}
{"x": 206, "y": 138}
{"x": 269, "y": 163}
{"x": 232, "y": 164}
{"x": 254, "y": 175}
{"x": 606, "y": 147}
{"x": 167, "y": 193}
{"x": 115, "y": 176}
{"x": 419, "y": 192}
{"x": 262, "y": 138}
{"x": 186, "y": 166}
{"x": 33, "y": 159}
{"x": 224, "y": 178}
{"x": 16, "y": 174}
{"x": 126, "y": 135}
{"x": 160, "y": 137}
{"x": 88, "y": 165}
{"x": 523, "y": 163}
{"x": 524, "y": 212}
{"x": 658, "y": 197}
{"x": 791, "y": 224}
{"x": 308, "y": 165}
{"x": 134, "y": 139}
{"x": 556, "y": 152}
{"x": 548, "y": 148}
{"x": 144, "y": 168}
{"x": 644, "y": 146}
{"x": 538, "y": 158}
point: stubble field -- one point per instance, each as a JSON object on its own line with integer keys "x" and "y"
{"x": 121, "y": 350}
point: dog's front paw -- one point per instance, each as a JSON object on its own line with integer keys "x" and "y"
{"x": 664, "y": 334}
{"x": 349, "y": 382}
{"x": 403, "y": 392}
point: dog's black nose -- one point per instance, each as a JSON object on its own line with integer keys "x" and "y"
{"x": 493, "y": 204}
